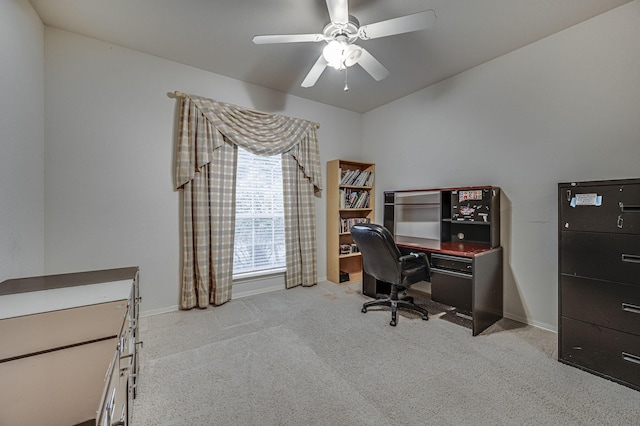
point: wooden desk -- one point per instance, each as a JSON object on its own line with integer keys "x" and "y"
{"x": 465, "y": 275}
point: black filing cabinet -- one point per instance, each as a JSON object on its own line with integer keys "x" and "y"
{"x": 599, "y": 278}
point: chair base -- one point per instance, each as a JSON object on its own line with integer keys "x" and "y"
{"x": 396, "y": 303}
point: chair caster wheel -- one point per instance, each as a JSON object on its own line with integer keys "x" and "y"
{"x": 392, "y": 323}
{"x": 364, "y": 310}
{"x": 425, "y": 318}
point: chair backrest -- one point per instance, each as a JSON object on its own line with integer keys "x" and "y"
{"x": 379, "y": 252}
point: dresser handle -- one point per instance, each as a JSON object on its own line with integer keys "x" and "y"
{"x": 631, "y": 358}
{"x": 628, "y": 307}
{"x": 631, "y": 258}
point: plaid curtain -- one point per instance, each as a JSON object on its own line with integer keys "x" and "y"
{"x": 209, "y": 135}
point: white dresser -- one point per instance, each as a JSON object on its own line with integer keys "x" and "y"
{"x": 68, "y": 348}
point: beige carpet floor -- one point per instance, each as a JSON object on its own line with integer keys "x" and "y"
{"x": 308, "y": 356}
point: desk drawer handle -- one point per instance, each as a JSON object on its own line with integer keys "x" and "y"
{"x": 452, "y": 258}
{"x": 452, "y": 273}
{"x": 631, "y": 358}
{"x": 631, "y": 258}
{"x": 628, "y": 307}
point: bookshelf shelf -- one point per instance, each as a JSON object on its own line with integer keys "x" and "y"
{"x": 343, "y": 256}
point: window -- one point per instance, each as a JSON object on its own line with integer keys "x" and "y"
{"x": 259, "y": 239}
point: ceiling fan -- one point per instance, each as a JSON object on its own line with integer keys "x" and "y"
{"x": 341, "y": 34}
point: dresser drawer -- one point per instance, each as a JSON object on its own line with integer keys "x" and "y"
{"x": 50, "y": 330}
{"x": 114, "y": 405}
{"x": 611, "y": 353}
{"x": 601, "y": 256}
{"x": 601, "y": 208}
{"x": 605, "y": 303}
{"x": 58, "y": 388}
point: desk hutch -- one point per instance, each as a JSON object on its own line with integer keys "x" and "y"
{"x": 459, "y": 229}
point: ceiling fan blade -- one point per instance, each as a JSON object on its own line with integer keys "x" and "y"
{"x": 315, "y": 72}
{"x": 338, "y": 11}
{"x": 403, "y": 24}
{"x": 372, "y": 66}
{"x": 287, "y": 38}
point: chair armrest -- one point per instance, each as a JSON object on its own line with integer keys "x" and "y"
{"x": 412, "y": 256}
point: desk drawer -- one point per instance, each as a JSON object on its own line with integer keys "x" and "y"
{"x": 611, "y": 353}
{"x": 601, "y": 256}
{"x": 452, "y": 288}
{"x": 605, "y": 303}
{"x": 452, "y": 263}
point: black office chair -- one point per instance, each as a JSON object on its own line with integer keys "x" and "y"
{"x": 382, "y": 260}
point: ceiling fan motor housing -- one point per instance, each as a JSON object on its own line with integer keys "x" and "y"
{"x": 349, "y": 30}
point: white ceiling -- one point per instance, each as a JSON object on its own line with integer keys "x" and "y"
{"x": 215, "y": 35}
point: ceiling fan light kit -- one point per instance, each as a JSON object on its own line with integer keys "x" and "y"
{"x": 340, "y": 55}
{"x": 341, "y": 34}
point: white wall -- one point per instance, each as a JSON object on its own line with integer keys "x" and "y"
{"x": 566, "y": 108}
{"x": 21, "y": 141}
{"x": 110, "y": 133}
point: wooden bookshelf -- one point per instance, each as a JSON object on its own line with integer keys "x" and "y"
{"x": 350, "y": 199}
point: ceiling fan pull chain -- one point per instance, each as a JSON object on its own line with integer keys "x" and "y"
{"x": 346, "y": 84}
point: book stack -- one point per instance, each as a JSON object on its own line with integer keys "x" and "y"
{"x": 349, "y": 248}
{"x": 347, "y": 223}
{"x": 354, "y": 199}
{"x": 356, "y": 178}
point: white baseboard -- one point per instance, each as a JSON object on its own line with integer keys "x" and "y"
{"x": 159, "y": 311}
{"x": 241, "y": 288}
{"x": 240, "y": 294}
{"x": 528, "y": 321}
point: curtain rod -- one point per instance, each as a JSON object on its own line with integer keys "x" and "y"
{"x": 178, "y": 94}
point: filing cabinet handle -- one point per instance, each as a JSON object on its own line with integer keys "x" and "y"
{"x": 631, "y": 258}
{"x": 628, "y": 307}
{"x": 629, "y": 209}
{"x": 631, "y": 358}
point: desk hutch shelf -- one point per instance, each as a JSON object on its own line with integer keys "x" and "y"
{"x": 350, "y": 200}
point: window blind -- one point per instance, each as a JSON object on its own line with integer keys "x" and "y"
{"x": 259, "y": 236}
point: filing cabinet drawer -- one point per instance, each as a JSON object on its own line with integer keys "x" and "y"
{"x": 618, "y": 210}
{"x": 604, "y": 303}
{"x": 611, "y": 353}
{"x": 601, "y": 256}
